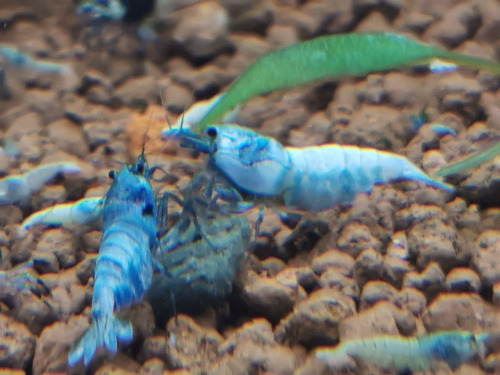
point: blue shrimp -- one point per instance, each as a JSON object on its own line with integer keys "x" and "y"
{"x": 124, "y": 268}
{"x": 16, "y": 189}
{"x": 415, "y": 353}
{"x": 311, "y": 179}
{"x": 200, "y": 254}
{"x": 82, "y": 212}
{"x": 17, "y": 59}
{"x": 197, "y": 258}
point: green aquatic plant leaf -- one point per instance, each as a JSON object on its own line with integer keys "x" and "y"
{"x": 470, "y": 162}
{"x": 332, "y": 57}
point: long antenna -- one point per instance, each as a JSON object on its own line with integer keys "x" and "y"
{"x": 165, "y": 109}
{"x": 141, "y": 163}
{"x": 182, "y": 118}
{"x": 146, "y": 132}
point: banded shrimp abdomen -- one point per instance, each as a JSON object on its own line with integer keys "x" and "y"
{"x": 201, "y": 255}
{"x": 124, "y": 268}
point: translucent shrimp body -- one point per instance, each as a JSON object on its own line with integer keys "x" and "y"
{"x": 124, "y": 268}
{"x": 310, "y": 178}
{"x": 415, "y": 354}
{"x": 17, "y": 189}
{"x": 81, "y": 212}
{"x": 328, "y": 175}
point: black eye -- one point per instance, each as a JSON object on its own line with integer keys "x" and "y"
{"x": 140, "y": 168}
{"x": 212, "y": 132}
{"x": 112, "y": 174}
{"x": 147, "y": 210}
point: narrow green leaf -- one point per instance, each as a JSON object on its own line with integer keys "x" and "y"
{"x": 470, "y": 162}
{"x": 333, "y": 57}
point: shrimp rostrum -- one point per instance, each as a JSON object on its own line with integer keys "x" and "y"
{"x": 311, "y": 179}
{"x": 124, "y": 268}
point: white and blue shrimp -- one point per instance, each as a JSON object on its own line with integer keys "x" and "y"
{"x": 124, "y": 268}
{"x": 15, "y": 58}
{"x": 82, "y": 212}
{"x": 17, "y": 189}
{"x": 405, "y": 355}
{"x": 310, "y": 179}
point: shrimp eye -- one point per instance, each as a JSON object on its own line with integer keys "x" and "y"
{"x": 147, "y": 210}
{"x": 140, "y": 168}
{"x": 112, "y": 174}
{"x": 212, "y": 132}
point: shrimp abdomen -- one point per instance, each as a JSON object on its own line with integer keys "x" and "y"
{"x": 325, "y": 176}
{"x": 125, "y": 263}
{"x": 123, "y": 274}
{"x": 386, "y": 352}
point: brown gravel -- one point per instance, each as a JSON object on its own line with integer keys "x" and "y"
{"x": 404, "y": 260}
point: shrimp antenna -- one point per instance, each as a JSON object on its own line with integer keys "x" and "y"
{"x": 166, "y": 113}
{"x": 182, "y": 118}
{"x": 167, "y": 176}
{"x": 141, "y": 160}
{"x": 165, "y": 109}
{"x": 146, "y": 134}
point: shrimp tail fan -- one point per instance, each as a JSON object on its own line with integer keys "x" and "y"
{"x": 398, "y": 167}
{"x": 417, "y": 175}
{"x": 105, "y": 331}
